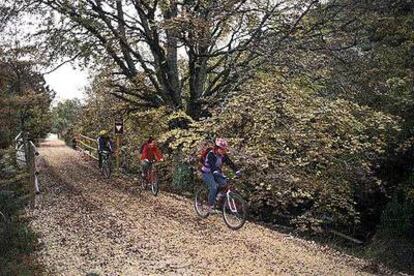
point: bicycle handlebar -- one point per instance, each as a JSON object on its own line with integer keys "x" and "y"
{"x": 153, "y": 161}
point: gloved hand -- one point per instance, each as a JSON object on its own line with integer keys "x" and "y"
{"x": 162, "y": 159}
{"x": 218, "y": 175}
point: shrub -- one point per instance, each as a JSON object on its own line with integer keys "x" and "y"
{"x": 308, "y": 160}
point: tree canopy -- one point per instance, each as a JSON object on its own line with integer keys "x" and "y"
{"x": 180, "y": 54}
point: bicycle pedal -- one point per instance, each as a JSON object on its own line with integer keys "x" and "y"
{"x": 215, "y": 211}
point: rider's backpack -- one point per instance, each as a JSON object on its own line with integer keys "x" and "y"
{"x": 203, "y": 154}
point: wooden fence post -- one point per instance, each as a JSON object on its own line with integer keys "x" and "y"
{"x": 34, "y": 182}
{"x": 118, "y": 153}
{"x": 23, "y": 144}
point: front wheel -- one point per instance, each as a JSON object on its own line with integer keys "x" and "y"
{"x": 106, "y": 169}
{"x": 234, "y": 211}
{"x": 154, "y": 187}
{"x": 151, "y": 180}
{"x": 201, "y": 202}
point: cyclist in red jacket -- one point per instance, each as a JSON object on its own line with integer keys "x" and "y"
{"x": 150, "y": 153}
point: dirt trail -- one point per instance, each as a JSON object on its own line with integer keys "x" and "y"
{"x": 92, "y": 225}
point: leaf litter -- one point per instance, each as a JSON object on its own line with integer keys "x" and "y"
{"x": 91, "y": 225}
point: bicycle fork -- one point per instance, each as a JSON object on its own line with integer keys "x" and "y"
{"x": 231, "y": 203}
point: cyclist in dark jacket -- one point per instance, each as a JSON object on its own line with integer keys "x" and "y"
{"x": 104, "y": 144}
{"x": 211, "y": 170}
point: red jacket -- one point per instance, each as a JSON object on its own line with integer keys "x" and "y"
{"x": 151, "y": 153}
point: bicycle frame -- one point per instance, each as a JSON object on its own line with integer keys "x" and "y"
{"x": 150, "y": 179}
{"x": 231, "y": 202}
{"x": 106, "y": 155}
{"x": 229, "y": 188}
{"x": 151, "y": 173}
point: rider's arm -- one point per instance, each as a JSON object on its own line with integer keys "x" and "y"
{"x": 228, "y": 162}
{"x": 99, "y": 143}
{"x": 110, "y": 145}
{"x": 157, "y": 153}
{"x": 144, "y": 154}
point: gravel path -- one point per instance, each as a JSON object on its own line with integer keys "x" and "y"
{"x": 92, "y": 225}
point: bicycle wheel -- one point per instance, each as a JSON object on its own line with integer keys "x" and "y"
{"x": 143, "y": 183}
{"x": 201, "y": 202}
{"x": 106, "y": 169}
{"x": 155, "y": 188}
{"x": 234, "y": 211}
{"x": 154, "y": 183}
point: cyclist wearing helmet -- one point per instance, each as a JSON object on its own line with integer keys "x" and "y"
{"x": 104, "y": 144}
{"x": 149, "y": 153}
{"x": 211, "y": 170}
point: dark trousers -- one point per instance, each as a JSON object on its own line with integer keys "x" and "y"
{"x": 100, "y": 159}
{"x": 214, "y": 182}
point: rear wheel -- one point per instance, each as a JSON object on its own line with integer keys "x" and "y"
{"x": 234, "y": 211}
{"x": 201, "y": 202}
{"x": 143, "y": 184}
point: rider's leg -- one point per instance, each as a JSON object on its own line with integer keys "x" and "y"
{"x": 100, "y": 160}
{"x": 145, "y": 166}
{"x": 221, "y": 181}
{"x": 212, "y": 185}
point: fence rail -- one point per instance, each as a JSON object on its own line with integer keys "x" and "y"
{"x": 88, "y": 146}
{"x": 87, "y": 138}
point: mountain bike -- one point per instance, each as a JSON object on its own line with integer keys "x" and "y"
{"x": 150, "y": 180}
{"x": 106, "y": 168}
{"x": 234, "y": 207}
